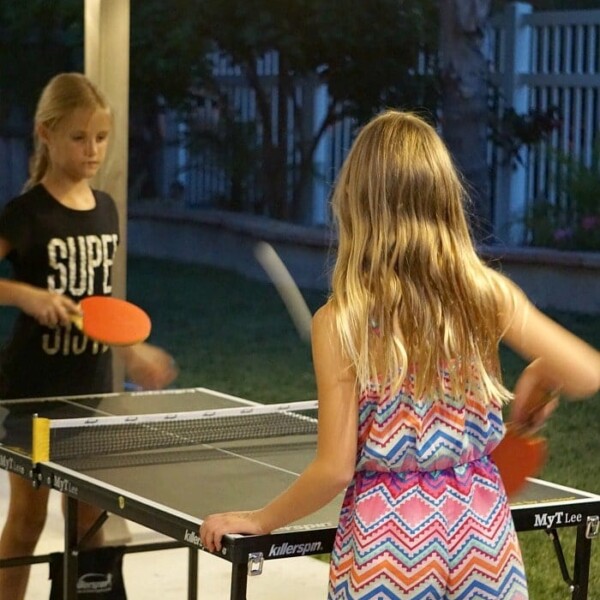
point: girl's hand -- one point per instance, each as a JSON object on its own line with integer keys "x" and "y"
{"x": 48, "y": 308}
{"x": 215, "y": 526}
{"x": 535, "y": 400}
{"x": 149, "y": 366}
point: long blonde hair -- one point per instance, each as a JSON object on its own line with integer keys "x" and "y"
{"x": 407, "y": 279}
{"x": 62, "y": 95}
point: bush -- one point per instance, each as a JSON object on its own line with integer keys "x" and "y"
{"x": 573, "y": 221}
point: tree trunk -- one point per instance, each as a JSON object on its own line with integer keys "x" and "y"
{"x": 274, "y": 153}
{"x": 271, "y": 155}
{"x": 280, "y": 156}
{"x": 464, "y": 76}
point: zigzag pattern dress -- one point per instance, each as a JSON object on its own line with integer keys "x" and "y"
{"x": 426, "y": 516}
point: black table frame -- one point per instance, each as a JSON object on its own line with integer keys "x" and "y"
{"x": 246, "y": 553}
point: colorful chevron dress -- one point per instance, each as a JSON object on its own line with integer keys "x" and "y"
{"x": 426, "y": 516}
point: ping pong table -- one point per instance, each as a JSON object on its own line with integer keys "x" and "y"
{"x": 169, "y": 487}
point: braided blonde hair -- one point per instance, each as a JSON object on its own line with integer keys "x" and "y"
{"x": 406, "y": 262}
{"x": 62, "y": 95}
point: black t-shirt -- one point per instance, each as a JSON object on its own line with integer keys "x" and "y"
{"x": 70, "y": 252}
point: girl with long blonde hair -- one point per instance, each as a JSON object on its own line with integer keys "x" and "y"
{"x": 409, "y": 384}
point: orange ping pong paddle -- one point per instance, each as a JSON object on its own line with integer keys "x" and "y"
{"x": 518, "y": 457}
{"x": 112, "y": 321}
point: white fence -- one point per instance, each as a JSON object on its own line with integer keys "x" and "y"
{"x": 206, "y": 175}
{"x": 538, "y": 60}
{"x": 542, "y": 60}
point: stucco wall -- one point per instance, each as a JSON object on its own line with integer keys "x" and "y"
{"x": 552, "y": 279}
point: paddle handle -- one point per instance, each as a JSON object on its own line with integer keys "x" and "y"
{"x": 539, "y": 403}
{"x": 77, "y": 320}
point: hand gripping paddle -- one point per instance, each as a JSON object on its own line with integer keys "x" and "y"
{"x": 112, "y": 321}
{"x": 521, "y": 455}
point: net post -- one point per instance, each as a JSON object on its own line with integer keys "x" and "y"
{"x": 40, "y": 448}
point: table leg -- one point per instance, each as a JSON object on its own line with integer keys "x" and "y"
{"x": 239, "y": 581}
{"x": 71, "y": 550}
{"x": 192, "y": 574}
{"x": 581, "y": 570}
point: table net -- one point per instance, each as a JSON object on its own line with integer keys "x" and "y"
{"x": 62, "y": 440}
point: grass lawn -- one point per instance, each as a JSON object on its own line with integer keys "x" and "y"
{"x": 234, "y": 335}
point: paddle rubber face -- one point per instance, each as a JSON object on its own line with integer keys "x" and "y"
{"x": 113, "y": 321}
{"x": 518, "y": 457}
